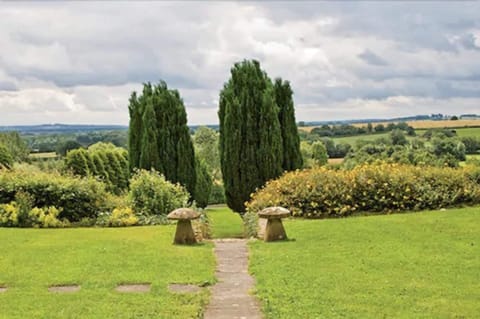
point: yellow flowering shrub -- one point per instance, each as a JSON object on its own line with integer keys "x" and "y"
{"x": 122, "y": 217}
{"x": 9, "y": 214}
{"x": 46, "y": 217}
{"x": 380, "y": 187}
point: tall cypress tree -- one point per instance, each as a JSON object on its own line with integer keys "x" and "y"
{"x": 134, "y": 131}
{"x": 160, "y": 136}
{"x": 250, "y": 136}
{"x": 149, "y": 155}
{"x": 292, "y": 157}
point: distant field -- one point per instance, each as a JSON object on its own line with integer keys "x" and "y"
{"x": 433, "y": 124}
{"x": 462, "y": 132}
{"x": 335, "y": 160}
{"x": 419, "y": 124}
{"x": 43, "y": 155}
{"x": 352, "y": 139}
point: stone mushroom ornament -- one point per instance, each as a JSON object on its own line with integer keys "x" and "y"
{"x": 274, "y": 230}
{"x": 184, "y": 234}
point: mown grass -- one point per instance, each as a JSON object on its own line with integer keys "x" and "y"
{"x": 423, "y": 265}
{"x": 98, "y": 259}
{"x": 224, "y": 222}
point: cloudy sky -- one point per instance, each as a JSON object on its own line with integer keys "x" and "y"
{"x": 78, "y": 62}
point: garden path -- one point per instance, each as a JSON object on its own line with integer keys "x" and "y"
{"x": 231, "y": 298}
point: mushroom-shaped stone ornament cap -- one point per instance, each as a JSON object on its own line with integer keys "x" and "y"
{"x": 274, "y": 213}
{"x": 183, "y": 214}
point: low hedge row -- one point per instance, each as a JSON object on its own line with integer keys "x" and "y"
{"x": 381, "y": 187}
{"x": 77, "y": 198}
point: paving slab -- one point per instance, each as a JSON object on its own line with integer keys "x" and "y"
{"x": 129, "y": 288}
{"x": 231, "y": 297}
{"x": 64, "y": 288}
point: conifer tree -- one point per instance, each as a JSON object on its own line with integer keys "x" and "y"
{"x": 159, "y": 135}
{"x": 292, "y": 157}
{"x": 203, "y": 184}
{"x": 250, "y": 137}
{"x": 76, "y": 162}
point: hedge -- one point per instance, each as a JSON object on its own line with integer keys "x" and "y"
{"x": 77, "y": 198}
{"x": 321, "y": 192}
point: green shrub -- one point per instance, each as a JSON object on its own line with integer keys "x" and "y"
{"x": 320, "y": 192}
{"x": 203, "y": 185}
{"x": 77, "y": 198}
{"x": 151, "y": 194}
{"x": 217, "y": 195}
{"x": 6, "y": 159}
{"x": 9, "y": 214}
{"x": 46, "y": 217}
{"x": 250, "y": 224}
{"x": 122, "y": 217}
{"x": 104, "y": 161}
{"x": 37, "y": 217}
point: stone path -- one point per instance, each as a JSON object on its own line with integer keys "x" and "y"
{"x": 231, "y": 298}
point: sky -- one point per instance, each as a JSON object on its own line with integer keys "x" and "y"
{"x": 78, "y": 62}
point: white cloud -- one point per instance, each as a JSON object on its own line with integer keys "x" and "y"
{"x": 79, "y": 62}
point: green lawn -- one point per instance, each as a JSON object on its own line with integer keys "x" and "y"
{"x": 424, "y": 265}
{"x": 225, "y": 223}
{"x": 98, "y": 259}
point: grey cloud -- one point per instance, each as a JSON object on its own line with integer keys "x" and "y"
{"x": 371, "y": 58}
{"x": 331, "y": 52}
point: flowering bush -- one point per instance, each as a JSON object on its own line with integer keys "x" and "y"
{"x": 122, "y": 217}
{"x": 381, "y": 187}
{"x": 151, "y": 194}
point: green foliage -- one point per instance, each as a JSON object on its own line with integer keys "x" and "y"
{"x": 103, "y": 161}
{"x": 46, "y": 218}
{"x": 292, "y": 157}
{"x": 250, "y": 224}
{"x": 77, "y": 163}
{"x": 151, "y": 194}
{"x": 16, "y": 147}
{"x": 9, "y": 214}
{"x": 314, "y": 154}
{"x": 159, "y": 137}
{"x": 250, "y": 133}
{"x": 6, "y": 159}
{"x": 67, "y": 146}
{"x": 472, "y": 144}
{"x": 217, "y": 195}
{"x": 75, "y": 197}
{"x": 206, "y": 145}
{"x": 448, "y": 146}
{"x": 203, "y": 184}
{"x": 439, "y": 151}
{"x": 123, "y": 216}
{"x": 398, "y": 137}
{"x": 319, "y": 154}
{"x": 351, "y": 130}
{"x": 321, "y": 192}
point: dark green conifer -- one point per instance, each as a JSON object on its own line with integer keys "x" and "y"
{"x": 250, "y": 137}
{"x": 292, "y": 157}
{"x": 162, "y": 139}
